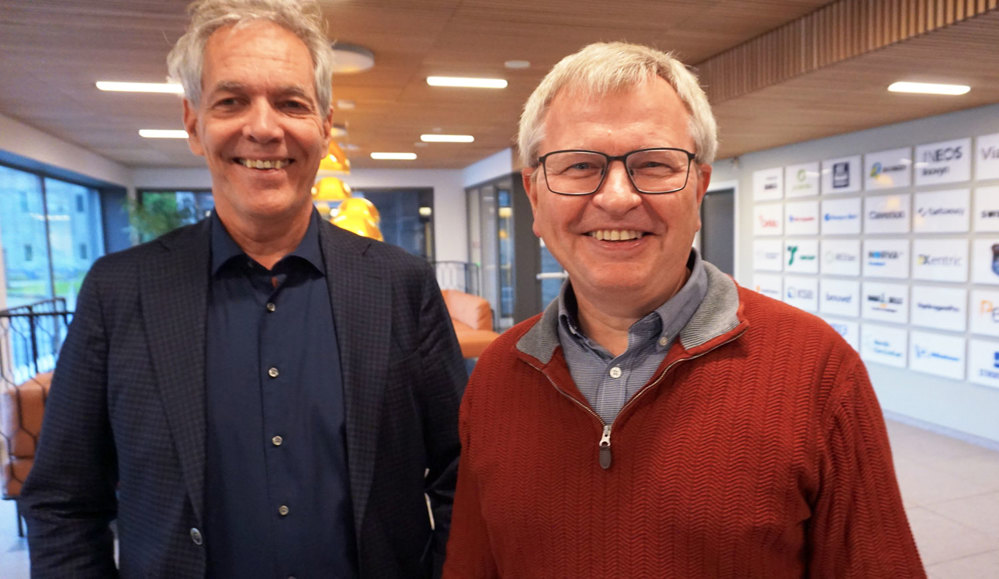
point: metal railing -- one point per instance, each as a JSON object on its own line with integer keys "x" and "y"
{"x": 458, "y": 275}
{"x": 30, "y": 338}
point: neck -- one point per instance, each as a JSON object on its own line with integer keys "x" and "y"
{"x": 267, "y": 241}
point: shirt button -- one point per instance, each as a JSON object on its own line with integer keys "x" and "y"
{"x": 272, "y": 372}
{"x": 283, "y": 510}
{"x": 196, "y": 536}
{"x": 615, "y": 372}
{"x": 277, "y": 441}
{"x": 663, "y": 341}
{"x": 270, "y": 306}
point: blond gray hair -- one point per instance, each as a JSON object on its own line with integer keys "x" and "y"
{"x": 303, "y": 18}
{"x": 602, "y": 68}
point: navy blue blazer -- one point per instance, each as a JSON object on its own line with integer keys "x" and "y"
{"x": 124, "y": 430}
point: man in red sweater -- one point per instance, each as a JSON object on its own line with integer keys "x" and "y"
{"x": 657, "y": 420}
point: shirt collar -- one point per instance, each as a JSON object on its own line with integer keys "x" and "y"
{"x": 673, "y": 314}
{"x": 224, "y": 247}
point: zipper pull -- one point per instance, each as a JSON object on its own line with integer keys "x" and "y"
{"x": 605, "y": 449}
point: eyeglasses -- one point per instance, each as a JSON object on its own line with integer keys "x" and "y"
{"x": 651, "y": 171}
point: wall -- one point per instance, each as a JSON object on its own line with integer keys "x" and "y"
{"x": 955, "y": 407}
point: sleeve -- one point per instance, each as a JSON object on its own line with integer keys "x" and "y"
{"x": 858, "y": 526}
{"x": 468, "y": 552}
{"x": 443, "y": 382}
{"x": 69, "y": 497}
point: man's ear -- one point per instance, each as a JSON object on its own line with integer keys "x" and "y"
{"x": 704, "y": 179}
{"x": 191, "y": 126}
{"x": 531, "y": 188}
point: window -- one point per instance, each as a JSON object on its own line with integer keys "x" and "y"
{"x": 162, "y": 211}
{"x": 28, "y": 253}
{"x": 407, "y": 218}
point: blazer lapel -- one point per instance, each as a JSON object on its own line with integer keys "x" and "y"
{"x": 362, "y": 312}
{"x": 174, "y": 296}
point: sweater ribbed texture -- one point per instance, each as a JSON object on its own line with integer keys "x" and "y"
{"x": 762, "y": 453}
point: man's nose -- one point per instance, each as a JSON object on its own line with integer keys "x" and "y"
{"x": 617, "y": 194}
{"x": 262, "y": 123}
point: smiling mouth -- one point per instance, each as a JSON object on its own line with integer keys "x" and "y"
{"x": 265, "y": 164}
{"x": 616, "y": 234}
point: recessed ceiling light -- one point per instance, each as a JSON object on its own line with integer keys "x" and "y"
{"x": 345, "y": 105}
{"x": 351, "y": 58}
{"x": 466, "y": 82}
{"x": 337, "y": 131}
{"x": 163, "y": 133}
{"x": 394, "y": 156}
{"x": 158, "y": 87}
{"x": 435, "y": 138}
{"x": 517, "y": 64}
{"x": 929, "y": 88}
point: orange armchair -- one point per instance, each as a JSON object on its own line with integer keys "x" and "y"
{"x": 472, "y": 319}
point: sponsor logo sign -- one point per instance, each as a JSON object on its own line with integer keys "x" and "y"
{"x": 986, "y": 214}
{"x": 767, "y": 255}
{"x": 983, "y": 362}
{"x": 839, "y": 297}
{"x": 802, "y": 218}
{"x": 801, "y": 256}
{"x": 840, "y": 257}
{"x": 987, "y": 157}
{"x": 940, "y": 259}
{"x": 769, "y": 285}
{"x": 884, "y": 345}
{"x": 886, "y": 258}
{"x": 841, "y": 175}
{"x": 887, "y": 214}
{"x": 937, "y": 354}
{"x": 840, "y": 216}
{"x": 984, "y": 312}
{"x": 888, "y": 169}
{"x": 939, "y": 308}
{"x": 801, "y": 180}
{"x": 886, "y": 302}
{"x": 768, "y": 184}
{"x": 849, "y": 330}
{"x": 943, "y": 162}
{"x": 942, "y": 211}
{"x": 985, "y": 261}
{"x": 802, "y": 292}
{"x": 768, "y": 219}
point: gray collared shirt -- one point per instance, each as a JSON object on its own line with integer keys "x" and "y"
{"x": 608, "y": 382}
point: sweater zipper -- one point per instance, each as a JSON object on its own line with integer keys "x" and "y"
{"x": 604, "y": 445}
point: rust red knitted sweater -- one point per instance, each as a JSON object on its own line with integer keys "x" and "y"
{"x": 761, "y": 452}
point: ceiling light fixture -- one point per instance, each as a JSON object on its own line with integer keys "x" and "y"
{"x": 157, "y": 87}
{"x": 351, "y": 58}
{"x": 435, "y": 138}
{"x": 929, "y": 88}
{"x": 393, "y": 156}
{"x": 163, "y": 133}
{"x": 466, "y": 82}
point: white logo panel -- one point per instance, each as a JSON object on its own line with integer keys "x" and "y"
{"x": 801, "y": 218}
{"x": 841, "y": 175}
{"x": 886, "y": 258}
{"x": 802, "y": 292}
{"x": 943, "y": 162}
{"x": 985, "y": 261}
{"x": 767, "y": 255}
{"x": 937, "y": 354}
{"x": 840, "y": 257}
{"x": 883, "y": 345}
{"x": 987, "y": 157}
{"x": 801, "y": 180}
{"x": 769, "y": 285}
{"x": 885, "y": 302}
{"x": 801, "y": 256}
{"x": 888, "y": 169}
{"x": 841, "y": 217}
{"x": 983, "y": 362}
{"x": 840, "y": 297}
{"x": 768, "y": 219}
{"x": 987, "y": 209}
{"x": 940, "y": 259}
{"x": 887, "y": 214}
{"x": 940, "y": 308}
{"x": 942, "y": 211}
{"x": 768, "y": 184}
{"x": 984, "y": 313}
{"x": 849, "y": 330}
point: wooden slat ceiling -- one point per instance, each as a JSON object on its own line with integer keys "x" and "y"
{"x": 52, "y": 52}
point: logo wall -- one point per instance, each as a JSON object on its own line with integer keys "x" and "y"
{"x": 943, "y": 162}
{"x": 984, "y": 313}
{"x": 884, "y": 344}
{"x": 839, "y": 297}
{"x": 939, "y": 308}
{"x": 887, "y": 214}
{"x": 801, "y": 292}
{"x": 886, "y": 302}
{"x": 986, "y": 214}
{"x": 841, "y": 175}
{"x": 888, "y": 169}
{"x": 841, "y": 257}
{"x": 940, "y": 259}
{"x": 801, "y": 180}
{"x": 768, "y": 219}
{"x": 886, "y": 258}
{"x": 768, "y": 184}
{"x": 802, "y": 218}
{"x": 937, "y": 354}
{"x": 768, "y": 285}
{"x": 983, "y": 362}
{"x": 801, "y": 256}
{"x": 841, "y": 216}
{"x": 987, "y": 157}
{"x": 767, "y": 255}
{"x": 942, "y": 211}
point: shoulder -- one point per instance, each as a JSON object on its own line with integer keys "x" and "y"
{"x": 113, "y": 266}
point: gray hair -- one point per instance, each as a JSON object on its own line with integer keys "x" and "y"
{"x": 602, "y": 68}
{"x": 303, "y": 18}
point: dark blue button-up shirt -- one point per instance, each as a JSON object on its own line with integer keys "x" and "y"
{"x": 277, "y": 501}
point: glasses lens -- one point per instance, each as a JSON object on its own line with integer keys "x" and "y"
{"x": 658, "y": 170}
{"x": 574, "y": 172}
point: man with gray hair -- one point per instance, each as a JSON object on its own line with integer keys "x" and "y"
{"x": 261, "y": 394}
{"x": 657, "y": 420}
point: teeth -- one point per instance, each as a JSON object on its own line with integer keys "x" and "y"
{"x": 615, "y": 234}
{"x": 262, "y": 164}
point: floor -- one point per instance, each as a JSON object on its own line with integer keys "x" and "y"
{"x": 950, "y": 489}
